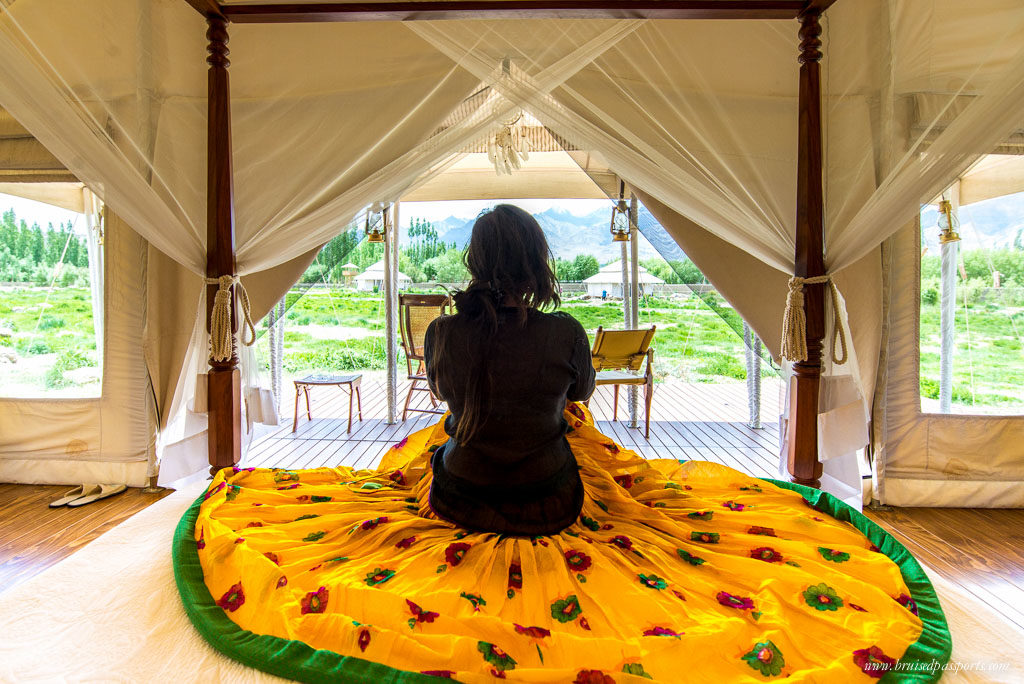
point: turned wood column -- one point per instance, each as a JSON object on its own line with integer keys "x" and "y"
{"x": 804, "y": 467}
{"x": 224, "y": 384}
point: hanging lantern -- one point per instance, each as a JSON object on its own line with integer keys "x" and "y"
{"x": 375, "y": 223}
{"x": 620, "y": 222}
{"x": 948, "y": 223}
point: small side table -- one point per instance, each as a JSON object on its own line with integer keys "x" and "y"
{"x": 302, "y": 387}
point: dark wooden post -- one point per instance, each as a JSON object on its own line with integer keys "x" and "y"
{"x": 224, "y": 397}
{"x": 804, "y": 467}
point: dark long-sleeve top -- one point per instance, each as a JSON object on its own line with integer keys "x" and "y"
{"x": 517, "y": 474}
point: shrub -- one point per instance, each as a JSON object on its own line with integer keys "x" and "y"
{"x": 68, "y": 360}
{"x": 34, "y": 347}
{"x": 50, "y": 322}
{"x": 717, "y": 363}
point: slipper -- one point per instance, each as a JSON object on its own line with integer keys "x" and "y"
{"x": 105, "y": 491}
{"x": 76, "y": 493}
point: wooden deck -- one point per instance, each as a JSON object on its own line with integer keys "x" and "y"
{"x": 692, "y": 421}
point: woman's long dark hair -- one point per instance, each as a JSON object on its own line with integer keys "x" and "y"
{"x": 509, "y": 262}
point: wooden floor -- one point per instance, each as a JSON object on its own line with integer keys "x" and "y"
{"x": 981, "y": 550}
{"x": 34, "y": 536}
{"x": 691, "y": 421}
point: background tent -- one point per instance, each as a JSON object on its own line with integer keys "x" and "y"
{"x": 329, "y": 117}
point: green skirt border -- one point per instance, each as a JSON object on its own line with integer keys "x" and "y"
{"x": 922, "y": 662}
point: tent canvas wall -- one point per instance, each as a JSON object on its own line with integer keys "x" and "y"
{"x": 706, "y": 132}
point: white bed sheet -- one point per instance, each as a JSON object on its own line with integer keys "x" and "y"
{"x": 111, "y": 613}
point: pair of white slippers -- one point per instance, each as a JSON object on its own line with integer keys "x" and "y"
{"x": 86, "y": 494}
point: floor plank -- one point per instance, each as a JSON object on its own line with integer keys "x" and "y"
{"x": 980, "y": 550}
{"x": 34, "y": 536}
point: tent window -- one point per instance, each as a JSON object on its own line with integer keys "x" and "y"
{"x": 972, "y": 308}
{"x": 50, "y": 301}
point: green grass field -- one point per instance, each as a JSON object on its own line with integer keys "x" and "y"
{"x": 47, "y": 342}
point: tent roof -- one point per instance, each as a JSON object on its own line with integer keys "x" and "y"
{"x": 376, "y": 272}
{"x": 612, "y": 273}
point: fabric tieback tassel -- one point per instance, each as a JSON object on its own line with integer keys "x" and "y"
{"x": 794, "y": 321}
{"x": 220, "y": 318}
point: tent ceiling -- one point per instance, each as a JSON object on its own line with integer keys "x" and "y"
{"x": 547, "y": 175}
{"x": 23, "y": 159}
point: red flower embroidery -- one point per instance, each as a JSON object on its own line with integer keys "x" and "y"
{"x": 303, "y": 498}
{"x": 282, "y": 582}
{"x": 201, "y": 543}
{"x": 583, "y": 623}
{"x": 733, "y": 506}
{"x": 254, "y": 523}
{"x": 454, "y": 554}
{"x": 625, "y": 480}
{"x": 577, "y": 560}
{"x": 405, "y": 440}
{"x": 532, "y": 632}
{"x": 420, "y": 614}
{"x": 907, "y": 602}
{"x": 370, "y": 524}
{"x": 732, "y": 601}
{"x": 397, "y": 477}
{"x": 872, "y": 661}
{"x": 364, "y": 639}
{"x": 314, "y": 601}
{"x": 232, "y": 599}
{"x": 765, "y": 531}
{"x": 663, "y": 631}
{"x": 239, "y": 540}
{"x": 622, "y": 541}
{"x": 612, "y": 448}
{"x": 405, "y": 543}
{"x": 592, "y": 677}
{"x": 857, "y": 608}
{"x": 767, "y": 554}
{"x": 272, "y": 557}
{"x": 447, "y": 674}
{"x": 515, "y": 576}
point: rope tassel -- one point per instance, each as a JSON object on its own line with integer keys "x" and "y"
{"x": 794, "y": 321}
{"x": 221, "y": 335}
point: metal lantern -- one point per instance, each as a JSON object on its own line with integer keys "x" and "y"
{"x": 948, "y": 223}
{"x": 375, "y": 228}
{"x": 620, "y": 222}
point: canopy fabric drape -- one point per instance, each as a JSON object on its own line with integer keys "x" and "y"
{"x": 699, "y": 115}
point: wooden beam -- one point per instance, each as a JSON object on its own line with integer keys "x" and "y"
{"x": 208, "y": 8}
{"x": 804, "y": 467}
{"x": 512, "y": 9}
{"x": 224, "y": 385}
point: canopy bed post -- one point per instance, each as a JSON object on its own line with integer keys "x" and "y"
{"x": 802, "y": 447}
{"x": 224, "y": 386}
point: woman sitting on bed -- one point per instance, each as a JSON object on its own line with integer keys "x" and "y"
{"x": 506, "y": 370}
{"x": 632, "y": 570}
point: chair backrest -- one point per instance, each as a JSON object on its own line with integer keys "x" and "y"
{"x": 621, "y": 349}
{"x": 415, "y": 312}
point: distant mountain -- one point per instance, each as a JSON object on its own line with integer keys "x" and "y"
{"x": 568, "y": 235}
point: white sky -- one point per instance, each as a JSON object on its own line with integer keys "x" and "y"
{"x": 37, "y": 212}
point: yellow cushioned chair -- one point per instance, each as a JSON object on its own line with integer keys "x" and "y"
{"x": 416, "y": 311}
{"x": 617, "y": 356}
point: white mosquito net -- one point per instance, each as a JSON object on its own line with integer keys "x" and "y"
{"x": 698, "y": 115}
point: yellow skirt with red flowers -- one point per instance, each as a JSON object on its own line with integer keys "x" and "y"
{"x": 675, "y": 572}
